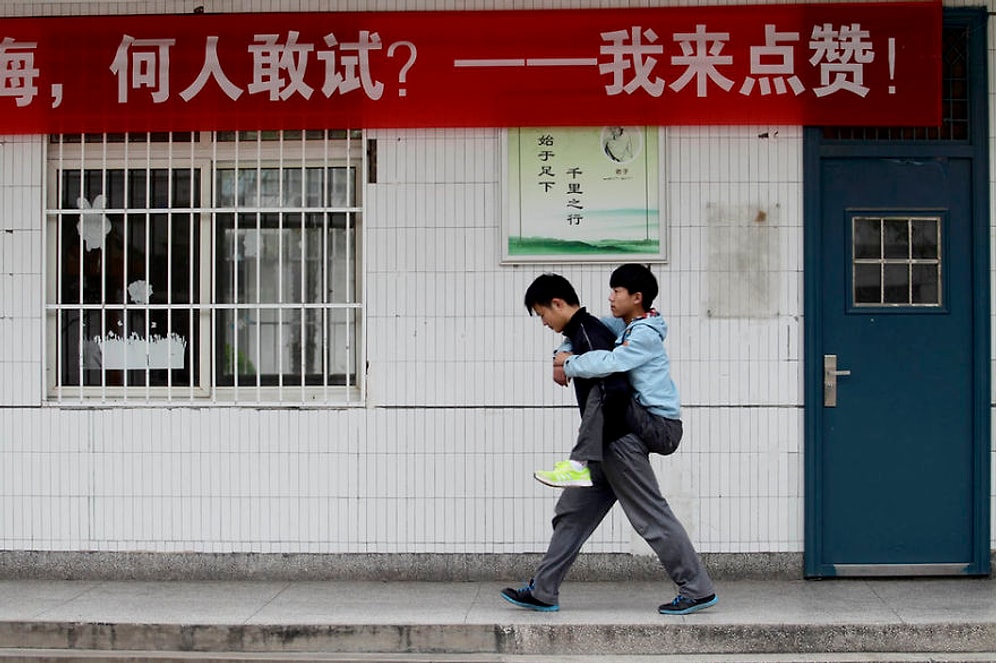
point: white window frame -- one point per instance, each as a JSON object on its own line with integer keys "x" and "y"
{"x": 206, "y": 156}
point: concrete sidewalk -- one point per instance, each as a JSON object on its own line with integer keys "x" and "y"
{"x": 856, "y": 619}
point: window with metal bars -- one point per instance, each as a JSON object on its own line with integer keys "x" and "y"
{"x": 954, "y": 103}
{"x": 205, "y": 267}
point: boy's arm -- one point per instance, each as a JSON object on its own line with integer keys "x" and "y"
{"x": 617, "y": 325}
{"x": 563, "y": 350}
{"x": 642, "y": 344}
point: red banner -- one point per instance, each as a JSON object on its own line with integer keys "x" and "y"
{"x": 831, "y": 64}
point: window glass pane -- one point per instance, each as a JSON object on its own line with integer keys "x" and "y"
{"x": 317, "y": 134}
{"x": 926, "y": 284}
{"x": 342, "y": 282}
{"x": 300, "y": 187}
{"x": 276, "y": 337}
{"x": 268, "y": 186}
{"x": 313, "y": 344}
{"x": 342, "y": 346}
{"x": 79, "y": 352}
{"x": 130, "y": 274}
{"x": 238, "y": 348}
{"x": 294, "y": 192}
{"x": 224, "y": 188}
{"x": 342, "y": 187}
{"x": 288, "y": 259}
{"x": 133, "y": 347}
{"x": 136, "y": 184}
{"x": 895, "y": 235}
{"x": 896, "y": 288}
{"x": 177, "y": 259}
{"x": 265, "y": 264}
{"x": 274, "y": 346}
{"x": 245, "y": 191}
{"x": 157, "y": 187}
{"x": 301, "y": 273}
{"x": 94, "y": 258}
{"x": 92, "y": 190}
{"x": 867, "y": 238}
{"x": 925, "y": 238}
{"x": 115, "y": 247}
{"x": 867, "y": 284}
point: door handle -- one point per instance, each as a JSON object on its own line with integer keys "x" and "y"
{"x": 830, "y": 373}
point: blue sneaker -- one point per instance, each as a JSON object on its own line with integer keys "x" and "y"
{"x": 682, "y": 605}
{"x": 523, "y": 597}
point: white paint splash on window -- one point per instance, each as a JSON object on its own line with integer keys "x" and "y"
{"x": 140, "y": 291}
{"x": 93, "y": 223}
{"x": 135, "y": 352}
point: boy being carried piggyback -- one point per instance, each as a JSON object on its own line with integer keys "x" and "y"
{"x": 638, "y": 351}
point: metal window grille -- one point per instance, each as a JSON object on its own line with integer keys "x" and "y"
{"x": 955, "y": 107}
{"x": 205, "y": 268}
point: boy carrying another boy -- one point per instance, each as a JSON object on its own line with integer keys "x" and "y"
{"x": 624, "y": 472}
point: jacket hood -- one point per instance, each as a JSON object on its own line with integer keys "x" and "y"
{"x": 654, "y": 320}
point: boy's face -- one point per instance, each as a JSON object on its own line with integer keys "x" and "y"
{"x": 624, "y": 304}
{"x": 556, "y": 315}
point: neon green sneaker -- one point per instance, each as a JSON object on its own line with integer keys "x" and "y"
{"x": 564, "y": 475}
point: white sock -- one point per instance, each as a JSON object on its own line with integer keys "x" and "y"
{"x": 579, "y": 464}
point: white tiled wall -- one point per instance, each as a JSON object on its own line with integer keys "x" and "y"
{"x": 21, "y": 173}
{"x": 460, "y": 406}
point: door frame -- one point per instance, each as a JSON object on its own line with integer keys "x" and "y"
{"x": 976, "y": 149}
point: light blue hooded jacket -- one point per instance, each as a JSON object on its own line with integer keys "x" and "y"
{"x": 640, "y": 352}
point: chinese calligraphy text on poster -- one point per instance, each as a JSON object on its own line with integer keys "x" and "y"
{"x": 583, "y": 194}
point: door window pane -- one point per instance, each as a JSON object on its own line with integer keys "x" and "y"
{"x": 925, "y": 239}
{"x": 926, "y": 284}
{"x": 867, "y": 238}
{"x": 895, "y": 238}
{"x": 895, "y": 284}
{"x": 867, "y": 284}
{"x": 896, "y": 261}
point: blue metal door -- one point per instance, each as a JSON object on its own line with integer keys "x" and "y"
{"x": 896, "y": 456}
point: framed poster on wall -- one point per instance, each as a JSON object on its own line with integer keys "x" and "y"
{"x": 583, "y": 194}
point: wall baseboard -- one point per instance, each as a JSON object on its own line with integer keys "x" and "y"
{"x": 590, "y": 567}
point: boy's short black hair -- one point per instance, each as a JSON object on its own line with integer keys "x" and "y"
{"x": 547, "y": 287}
{"x": 636, "y": 278}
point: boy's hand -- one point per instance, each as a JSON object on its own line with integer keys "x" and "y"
{"x": 559, "y": 376}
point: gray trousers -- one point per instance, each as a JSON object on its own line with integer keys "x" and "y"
{"x": 660, "y": 434}
{"x": 624, "y": 474}
{"x": 588, "y": 447}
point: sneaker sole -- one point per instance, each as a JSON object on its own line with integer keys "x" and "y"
{"x": 694, "y": 608}
{"x": 562, "y": 484}
{"x": 530, "y": 606}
